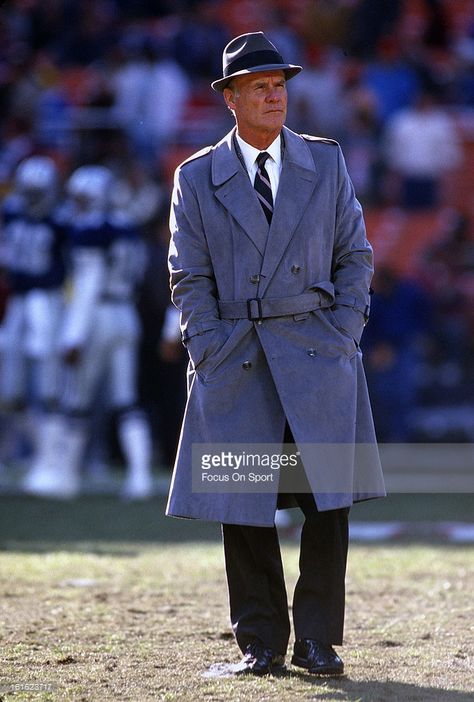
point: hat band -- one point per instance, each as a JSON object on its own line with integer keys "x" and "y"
{"x": 252, "y": 60}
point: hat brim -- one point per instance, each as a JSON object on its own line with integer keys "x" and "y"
{"x": 289, "y": 70}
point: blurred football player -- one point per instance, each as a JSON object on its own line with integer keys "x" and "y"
{"x": 100, "y": 333}
{"x": 32, "y": 256}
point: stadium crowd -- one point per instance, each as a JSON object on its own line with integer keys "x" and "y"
{"x": 122, "y": 89}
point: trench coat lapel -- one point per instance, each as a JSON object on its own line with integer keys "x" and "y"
{"x": 235, "y": 192}
{"x": 297, "y": 182}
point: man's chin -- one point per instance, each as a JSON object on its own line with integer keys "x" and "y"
{"x": 274, "y": 120}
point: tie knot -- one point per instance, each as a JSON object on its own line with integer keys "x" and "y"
{"x": 261, "y": 158}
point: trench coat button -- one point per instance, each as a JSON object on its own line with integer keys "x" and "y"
{"x": 311, "y": 352}
{"x": 255, "y": 279}
{"x": 246, "y": 365}
{"x": 295, "y": 269}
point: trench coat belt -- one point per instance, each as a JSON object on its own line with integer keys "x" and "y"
{"x": 258, "y": 308}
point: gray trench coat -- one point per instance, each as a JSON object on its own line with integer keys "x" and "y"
{"x": 291, "y": 353}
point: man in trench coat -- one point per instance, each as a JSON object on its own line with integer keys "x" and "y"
{"x": 271, "y": 269}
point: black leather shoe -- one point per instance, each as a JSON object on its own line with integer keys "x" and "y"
{"x": 316, "y": 657}
{"x": 259, "y": 660}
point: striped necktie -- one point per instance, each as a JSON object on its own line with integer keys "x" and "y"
{"x": 262, "y": 186}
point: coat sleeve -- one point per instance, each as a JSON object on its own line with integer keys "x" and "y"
{"x": 193, "y": 285}
{"x": 352, "y": 264}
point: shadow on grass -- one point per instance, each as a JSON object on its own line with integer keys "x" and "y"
{"x": 347, "y": 690}
{"x": 376, "y": 691}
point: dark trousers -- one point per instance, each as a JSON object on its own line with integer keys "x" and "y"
{"x": 257, "y": 592}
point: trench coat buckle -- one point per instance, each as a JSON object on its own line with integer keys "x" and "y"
{"x": 254, "y": 315}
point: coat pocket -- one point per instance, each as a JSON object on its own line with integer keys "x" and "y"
{"x": 349, "y": 321}
{"x": 226, "y": 359}
{"x": 202, "y": 347}
{"x": 215, "y": 364}
{"x": 335, "y": 338}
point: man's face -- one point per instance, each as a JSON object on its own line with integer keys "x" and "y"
{"x": 259, "y": 102}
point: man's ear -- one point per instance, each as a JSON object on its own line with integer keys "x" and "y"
{"x": 229, "y": 98}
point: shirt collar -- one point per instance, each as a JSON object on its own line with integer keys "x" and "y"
{"x": 250, "y": 153}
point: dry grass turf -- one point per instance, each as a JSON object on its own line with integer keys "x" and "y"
{"x": 101, "y": 621}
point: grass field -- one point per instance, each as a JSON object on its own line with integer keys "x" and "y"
{"x": 99, "y": 616}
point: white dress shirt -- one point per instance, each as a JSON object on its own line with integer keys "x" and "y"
{"x": 272, "y": 164}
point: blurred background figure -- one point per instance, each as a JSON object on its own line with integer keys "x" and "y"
{"x": 99, "y": 339}
{"x": 150, "y": 91}
{"x": 163, "y": 358}
{"x": 391, "y": 77}
{"x": 32, "y": 254}
{"x": 319, "y": 104}
{"x": 18, "y": 143}
{"x": 400, "y": 319}
{"x": 447, "y": 272}
{"x": 421, "y": 147}
{"x": 446, "y": 379}
{"x": 369, "y": 22}
{"x": 199, "y": 38}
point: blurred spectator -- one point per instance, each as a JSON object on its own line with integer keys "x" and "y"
{"x": 41, "y": 24}
{"x": 25, "y": 86}
{"x": 199, "y": 41}
{"x": 318, "y": 104}
{"x": 149, "y": 9}
{"x": 327, "y": 22}
{"x": 280, "y": 32}
{"x": 142, "y": 197}
{"x": 400, "y": 316}
{"x": 89, "y": 31}
{"x": 437, "y": 30}
{"x": 361, "y": 136}
{"x": 452, "y": 256}
{"x": 391, "y": 79}
{"x": 448, "y": 273}
{"x": 150, "y": 94}
{"x": 163, "y": 358}
{"x": 463, "y": 52}
{"x": 54, "y": 126}
{"x": 421, "y": 146}
{"x": 17, "y": 142}
{"x": 369, "y": 21}
{"x": 446, "y": 390}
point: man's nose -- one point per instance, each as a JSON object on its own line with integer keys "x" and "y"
{"x": 273, "y": 95}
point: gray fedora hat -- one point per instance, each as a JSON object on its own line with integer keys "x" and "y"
{"x": 250, "y": 53}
